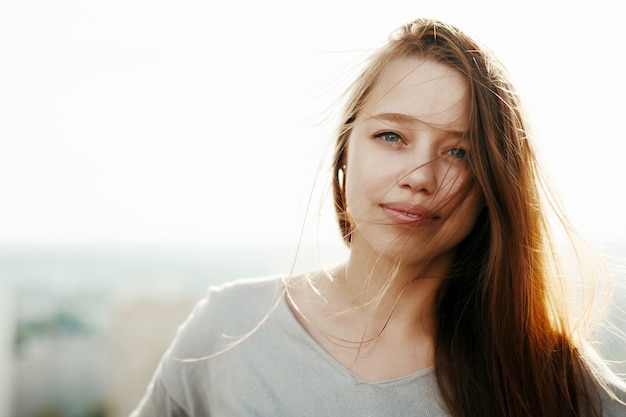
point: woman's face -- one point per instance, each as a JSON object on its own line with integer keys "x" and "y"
{"x": 408, "y": 183}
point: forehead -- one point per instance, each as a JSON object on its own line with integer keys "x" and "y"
{"x": 422, "y": 89}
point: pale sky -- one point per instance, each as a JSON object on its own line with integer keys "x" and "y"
{"x": 184, "y": 121}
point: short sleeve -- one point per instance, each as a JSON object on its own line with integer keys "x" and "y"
{"x": 614, "y": 403}
{"x": 157, "y": 401}
{"x": 189, "y": 380}
{"x": 165, "y": 395}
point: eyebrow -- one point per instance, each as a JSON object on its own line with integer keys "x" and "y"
{"x": 401, "y": 118}
{"x": 395, "y": 117}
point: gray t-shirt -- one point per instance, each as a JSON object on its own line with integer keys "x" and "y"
{"x": 279, "y": 370}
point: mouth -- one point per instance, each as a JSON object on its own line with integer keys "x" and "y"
{"x": 405, "y": 214}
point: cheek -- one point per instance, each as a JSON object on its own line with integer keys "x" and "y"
{"x": 456, "y": 193}
{"x": 366, "y": 193}
{"x": 364, "y": 182}
{"x": 454, "y": 180}
{"x": 357, "y": 190}
{"x": 468, "y": 209}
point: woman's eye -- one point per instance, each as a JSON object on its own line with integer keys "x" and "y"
{"x": 459, "y": 153}
{"x": 390, "y": 137}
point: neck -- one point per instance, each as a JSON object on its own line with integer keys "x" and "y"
{"x": 388, "y": 292}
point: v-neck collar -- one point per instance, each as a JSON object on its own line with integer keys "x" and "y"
{"x": 285, "y": 309}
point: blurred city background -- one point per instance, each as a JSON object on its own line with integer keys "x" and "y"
{"x": 83, "y": 328}
{"x": 151, "y": 148}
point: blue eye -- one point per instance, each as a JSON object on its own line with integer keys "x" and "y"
{"x": 459, "y": 153}
{"x": 390, "y": 137}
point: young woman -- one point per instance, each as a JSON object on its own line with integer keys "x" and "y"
{"x": 447, "y": 304}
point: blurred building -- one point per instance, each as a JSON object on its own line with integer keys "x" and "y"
{"x": 140, "y": 332}
{"x": 60, "y": 357}
{"x": 7, "y": 332}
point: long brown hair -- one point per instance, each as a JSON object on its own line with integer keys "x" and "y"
{"x": 503, "y": 343}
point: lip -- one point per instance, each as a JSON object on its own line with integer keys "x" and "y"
{"x": 409, "y": 214}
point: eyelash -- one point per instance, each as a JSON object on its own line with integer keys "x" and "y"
{"x": 385, "y": 135}
{"x": 458, "y": 153}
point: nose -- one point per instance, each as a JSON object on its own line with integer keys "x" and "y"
{"x": 420, "y": 177}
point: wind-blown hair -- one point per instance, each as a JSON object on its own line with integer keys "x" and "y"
{"x": 504, "y": 346}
